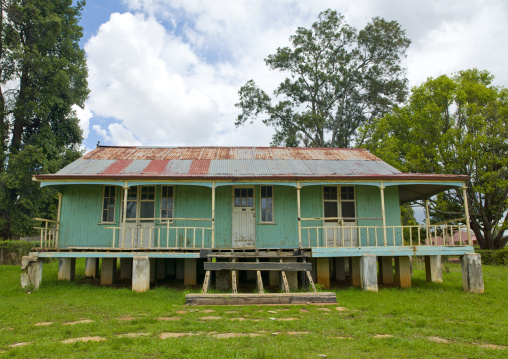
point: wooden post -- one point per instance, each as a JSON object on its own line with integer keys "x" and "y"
{"x": 213, "y": 214}
{"x": 299, "y": 214}
{"x": 58, "y": 218}
{"x": 427, "y": 222}
{"x": 382, "y": 188}
{"x": 466, "y": 209}
{"x": 125, "y": 193}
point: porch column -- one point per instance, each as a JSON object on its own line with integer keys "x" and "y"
{"x": 340, "y": 269}
{"x": 403, "y": 272}
{"x": 66, "y": 269}
{"x": 91, "y": 267}
{"x": 125, "y": 268}
{"x": 368, "y": 272}
{"x": 299, "y": 214}
{"x": 466, "y": 209}
{"x": 125, "y": 193}
{"x": 386, "y": 269}
{"x": 140, "y": 274}
{"x": 383, "y": 213}
{"x": 189, "y": 274}
{"x": 213, "y": 214}
{"x": 354, "y": 270}
{"x": 427, "y": 223}
{"x": 472, "y": 276}
{"x": 433, "y": 269}
{"x": 108, "y": 271}
{"x": 58, "y": 219}
{"x": 323, "y": 272}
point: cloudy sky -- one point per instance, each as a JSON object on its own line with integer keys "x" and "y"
{"x": 167, "y": 72}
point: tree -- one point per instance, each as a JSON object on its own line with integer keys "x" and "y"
{"x": 455, "y": 125}
{"x": 339, "y": 80}
{"x": 42, "y": 75}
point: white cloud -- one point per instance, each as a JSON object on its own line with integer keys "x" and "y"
{"x": 84, "y": 115}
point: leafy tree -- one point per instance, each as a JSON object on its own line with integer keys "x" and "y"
{"x": 455, "y": 125}
{"x": 42, "y": 75}
{"x": 340, "y": 79}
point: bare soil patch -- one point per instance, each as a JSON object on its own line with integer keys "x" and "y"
{"x": 438, "y": 340}
{"x": 133, "y": 335}
{"x": 383, "y": 336}
{"x": 175, "y": 335}
{"x": 83, "y": 339}
{"x": 165, "y": 319}
{"x": 82, "y": 321}
{"x": 42, "y": 324}
{"x": 19, "y": 344}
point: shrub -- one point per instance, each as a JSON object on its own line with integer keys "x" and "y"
{"x": 11, "y": 251}
{"x": 495, "y": 257}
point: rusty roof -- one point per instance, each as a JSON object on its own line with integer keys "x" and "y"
{"x": 232, "y": 162}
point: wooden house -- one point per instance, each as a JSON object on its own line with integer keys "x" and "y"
{"x": 188, "y": 212}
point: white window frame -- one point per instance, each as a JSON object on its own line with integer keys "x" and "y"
{"x": 339, "y": 201}
{"x": 261, "y": 205}
{"x": 106, "y": 209}
{"x": 169, "y": 219}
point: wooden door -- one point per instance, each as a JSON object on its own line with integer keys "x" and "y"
{"x": 244, "y": 218}
{"x": 339, "y": 205}
{"x": 139, "y": 226}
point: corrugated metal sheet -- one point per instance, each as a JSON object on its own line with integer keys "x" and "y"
{"x": 117, "y": 167}
{"x": 156, "y": 166}
{"x": 137, "y": 167}
{"x": 178, "y": 167}
{"x": 199, "y": 167}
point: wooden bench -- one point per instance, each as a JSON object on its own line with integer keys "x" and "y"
{"x": 257, "y": 266}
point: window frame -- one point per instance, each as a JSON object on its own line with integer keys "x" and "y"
{"x": 339, "y": 202}
{"x": 168, "y": 220}
{"x": 107, "y": 209}
{"x": 261, "y": 205}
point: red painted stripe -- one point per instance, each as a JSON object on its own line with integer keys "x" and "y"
{"x": 199, "y": 167}
{"x": 116, "y": 167}
{"x": 156, "y": 166}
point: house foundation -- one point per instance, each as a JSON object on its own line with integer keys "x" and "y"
{"x": 472, "y": 276}
{"x": 66, "y": 269}
{"x": 190, "y": 271}
{"x": 92, "y": 267}
{"x": 108, "y": 271}
{"x": 161, "y": 269}
{"x": 385, "y": 269}
{"x": 340, "y": 268}
{"x": 354, "y": 268}
{"x": 125, "y": 268}
{"x": 368, "y": 272}
{"x": 323, "y": 272}
{"x": 433, "y": 269}
{"x": 140, "y": 274}
{"x": 403, "y": 272}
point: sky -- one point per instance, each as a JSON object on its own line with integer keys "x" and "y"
{"x": 167, "y": 72}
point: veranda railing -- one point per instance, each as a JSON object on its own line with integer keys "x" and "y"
{"x": 49, "y": 232}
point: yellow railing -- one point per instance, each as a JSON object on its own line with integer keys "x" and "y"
{"x": 49, "y": 233}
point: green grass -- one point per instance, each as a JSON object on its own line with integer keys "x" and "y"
{"x": 409, "y": 316}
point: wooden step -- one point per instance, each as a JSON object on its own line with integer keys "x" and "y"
{"x": 264, "y": 298}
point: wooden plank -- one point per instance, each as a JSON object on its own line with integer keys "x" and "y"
{"x": 255, "y": 298}
{"x": 206, "y": 282}
{"x": 289, "y": 266}
{"x": 311, "y": 282}
{"x": 285, "y": 281}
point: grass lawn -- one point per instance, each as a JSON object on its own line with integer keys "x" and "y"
{"x": 428, "y": 320}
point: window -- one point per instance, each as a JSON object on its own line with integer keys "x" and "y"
{"x": 108, "y": 204}
{"x": 339, "y": 206}
{"x": 266, "y": 203}
{"x": 167, "y": 202}
{"x": 141, "y": 202}
{"x": 244, "y": 197}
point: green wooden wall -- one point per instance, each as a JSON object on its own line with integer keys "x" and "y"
{"x": 82, "y": 209}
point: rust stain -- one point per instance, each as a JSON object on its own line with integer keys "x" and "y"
{"x": 191, "y": 153}
{"x": 199, "y": 167}
{"x": 156, "y": 166}
{"x": 117, "y": 167}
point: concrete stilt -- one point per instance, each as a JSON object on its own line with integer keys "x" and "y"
{"x": 313, "y": 271}
{"x": 153, "y": 270}
{"x": 180, "y": 268}
{"x": 108, "y": 271}
{"x": 140, "y": 274}
{"x": 190, "y": 271}
{"x": 340, "y": 269}
{"x": 433, "y": 269}
{"x": 125, "y": 268}
{"x": 386, "y": 269}
{"x": 354, "y": 268}
{"x": 31, "y": 274}
{"x": 273, "y": 275}
{"x": 368, "y": 272}
{"x": 323, "y": 272}
{"x": 403, "y": 272}
{"x": 472, "y": 276}
{"x": 348, "y": 267}
{"x": 161, "y": 269}
{"x": 171, "y": 268}
{"x": 292, "y": 277}
{"x": 66, "y": 269}
{"x": 91, "y": 267}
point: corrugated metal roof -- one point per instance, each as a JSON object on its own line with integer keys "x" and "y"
{"x": 228, "y": 162}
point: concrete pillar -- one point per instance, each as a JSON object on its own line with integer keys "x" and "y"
{"x": 292, "y": 276}
{"x": 403, "y": 272}
{"x": 153, "y": 270}
{"x": 222, "y": 280}
{"x": 354, "y": 269}
{"x": 274, "y": 275}
{"x": 433, "y": 269}
{"x": 161, "y": 269}
{"x": 108, "y": 271}
{"x": 190, "y": 268}
{"x": 125, "y": 268}
{"x": 386, "y": 269}
{"x": 140, "y": 274}
{"x": 31, "y": 275}
{"x": 323, "y": 272}
{"x": 340, "y": 268}
{"x": 368, "y": 272}
{"x": 91, "y": 267}
{"x": 66, "y": 269}
{"x": 171, "y": 268}
{"x": 313, "y": 271}
{"x": 472, "y": 276}
{"x": 180, "y": 268}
